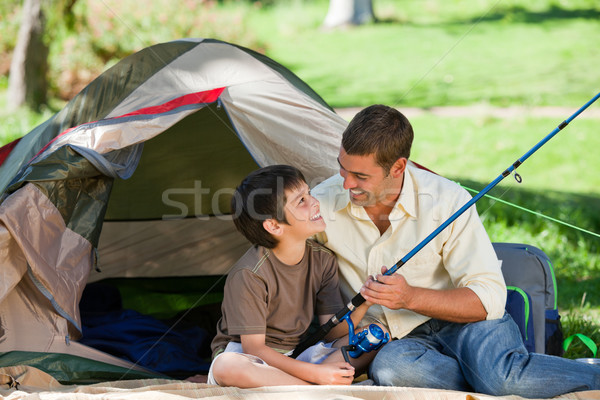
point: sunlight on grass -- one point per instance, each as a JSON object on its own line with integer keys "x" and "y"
{"x": 482, "y": 148}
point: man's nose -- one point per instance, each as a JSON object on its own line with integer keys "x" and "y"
{"x": 349, "y": 181}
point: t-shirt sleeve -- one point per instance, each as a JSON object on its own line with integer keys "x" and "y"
{"x": 329, "y": 297}
{"x": 245, "y": 303}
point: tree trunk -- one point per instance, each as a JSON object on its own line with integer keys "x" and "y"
{"x": 27, "y": 82}
{"x": 348, "y": 12}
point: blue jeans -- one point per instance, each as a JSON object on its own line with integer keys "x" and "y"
{"x": 485, "y": 357}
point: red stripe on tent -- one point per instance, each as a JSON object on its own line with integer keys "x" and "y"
{"x": 208, "y": 96}
{"x": 422, "y": 167}
{"x": 7, "y": 149}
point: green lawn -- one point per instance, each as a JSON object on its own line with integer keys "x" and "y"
{"x": 438, "y": 53}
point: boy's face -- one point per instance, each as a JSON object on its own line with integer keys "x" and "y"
{"x": 302, "y": 212}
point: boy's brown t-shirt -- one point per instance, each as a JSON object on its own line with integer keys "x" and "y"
{"x": 264, "y": 296}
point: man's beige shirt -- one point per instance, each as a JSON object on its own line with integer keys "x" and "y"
{"x": 460, "y": 256}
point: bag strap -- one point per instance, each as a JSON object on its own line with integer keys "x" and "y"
{"x": 586, "y": 340}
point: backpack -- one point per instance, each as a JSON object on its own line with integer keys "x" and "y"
{"x": 531, "y": 299}
{"x": 518, "y": 305}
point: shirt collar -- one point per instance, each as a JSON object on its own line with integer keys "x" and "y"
{"x": 408, "y": 196}
{"x": 342, "y": 198}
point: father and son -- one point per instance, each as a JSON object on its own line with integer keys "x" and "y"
{"x": 444, "y": 309}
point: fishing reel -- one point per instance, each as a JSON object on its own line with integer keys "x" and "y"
{"x": 371, "y": 338}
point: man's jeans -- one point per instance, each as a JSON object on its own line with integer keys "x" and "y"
{"x": 485, "y": 357}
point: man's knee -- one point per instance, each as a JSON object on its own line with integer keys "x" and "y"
{"x": 395, "y": 365}
{"x": 411, "y": 363}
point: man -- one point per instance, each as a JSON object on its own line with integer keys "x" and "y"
{"x": 445, "y": 306}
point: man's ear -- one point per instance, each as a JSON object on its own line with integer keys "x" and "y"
{"x": 273, "y": 227}
{"x": 398, "y": 168}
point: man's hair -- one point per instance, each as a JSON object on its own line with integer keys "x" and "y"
{"x": 379, "y": 130}
{"x": 261, "y": 196}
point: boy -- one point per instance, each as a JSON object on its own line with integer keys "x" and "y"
{"x": 273, "y": 292}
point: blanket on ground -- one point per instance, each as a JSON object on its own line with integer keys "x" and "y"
{"x": 35, "y": 384}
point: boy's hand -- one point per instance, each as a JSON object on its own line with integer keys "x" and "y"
{"x": 337, "y": 373}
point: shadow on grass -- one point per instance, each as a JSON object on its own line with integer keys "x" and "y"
{"x": 513, "y": 14}
{"x": 521, "y": 14}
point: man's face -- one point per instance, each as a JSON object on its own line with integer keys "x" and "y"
{"x": 367, "y": 182}
{"x": 302, "y": 212}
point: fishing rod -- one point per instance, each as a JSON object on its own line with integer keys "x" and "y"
{"x": 367, "y": 335}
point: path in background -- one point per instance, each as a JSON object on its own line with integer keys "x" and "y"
{"x": 485, "y": 111}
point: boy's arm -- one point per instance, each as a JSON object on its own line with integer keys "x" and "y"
{"x": 338, "y": 373}
{"x": 341, "y": 329}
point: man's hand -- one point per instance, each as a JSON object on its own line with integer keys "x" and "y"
{"x": 460, "y": 305}
{"x": 391, "y": 291}
{"x": 336, "y": 373}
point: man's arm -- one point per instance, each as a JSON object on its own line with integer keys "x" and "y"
{"x": 455, "y": 305}
{"x": 340, "y": 373}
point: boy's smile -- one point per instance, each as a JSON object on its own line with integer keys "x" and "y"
{"x": 303, "y": 211}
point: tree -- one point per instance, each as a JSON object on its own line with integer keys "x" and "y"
{"x": 28, "y": 81}
{"x": 348, "y": 12}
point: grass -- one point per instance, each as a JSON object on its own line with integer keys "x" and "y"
{"x": 423, "y": 53}
{"x": 430, "y": 53}
{"x": 480, "y": 148}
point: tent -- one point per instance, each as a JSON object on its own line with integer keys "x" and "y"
{"x": 132, "y": 179}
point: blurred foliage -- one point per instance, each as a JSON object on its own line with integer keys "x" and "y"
{"x": 87, "y": 37}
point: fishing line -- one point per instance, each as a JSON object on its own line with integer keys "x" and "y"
{"x": 495, "y": 199}
{"x": 536, "y": 213}
{"x": 464, "y": 35}
{"x": 173, "y": 325}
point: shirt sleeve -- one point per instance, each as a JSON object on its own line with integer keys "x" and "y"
{"x": 245, "y": 303}
{"x": 471, "y": 261}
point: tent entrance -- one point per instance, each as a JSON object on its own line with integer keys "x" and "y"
{"x": 161, "y": 324}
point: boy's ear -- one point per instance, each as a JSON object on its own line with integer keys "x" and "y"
{"x": 273, "y": 227}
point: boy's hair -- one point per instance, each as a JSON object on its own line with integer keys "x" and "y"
{"x": 261, "y": 196}
{"x": 379, "y": 130}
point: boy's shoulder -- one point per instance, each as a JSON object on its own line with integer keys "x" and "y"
{"x": 257, "y": 256}
{"x": 252, "y": 259}
{"x": 314, "y": 246}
